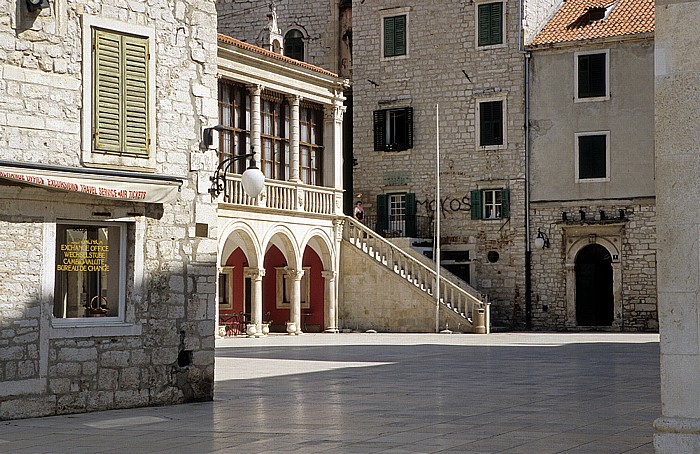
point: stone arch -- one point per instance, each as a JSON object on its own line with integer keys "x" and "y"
{"x": 283, "y": 238}
{"x": 239, "y": 234}
{"x": 322, "y": 244}
{"x": 577, "y": 238}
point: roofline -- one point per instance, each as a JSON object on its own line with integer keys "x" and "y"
{"x": 646, "y": 36}
{"x": 253, "y": 48}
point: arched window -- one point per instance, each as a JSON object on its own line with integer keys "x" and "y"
{"x": 294, "y": 44}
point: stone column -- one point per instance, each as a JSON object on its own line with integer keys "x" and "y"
{"x": 295, "y": 312}
{"x": 294, "y": 138}
{"x": 255, "y": 120}
{"x": 333, "y": 150}
{"x": 256, "y": 275}
{"x": 677, "y": 69}
{"x": 330, "y": 301}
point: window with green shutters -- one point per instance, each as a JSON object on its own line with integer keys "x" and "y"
{"x": 490, "y": 24}
{"x": 490, "y": 204}
{"x": 490, "y": 123}
{"x": 395, "y": 36}
{"x": 120, "y": 94}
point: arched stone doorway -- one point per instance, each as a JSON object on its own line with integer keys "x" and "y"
{"x": 594, "y": 287}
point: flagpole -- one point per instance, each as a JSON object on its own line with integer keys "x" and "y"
{"x": 437, "y": 218}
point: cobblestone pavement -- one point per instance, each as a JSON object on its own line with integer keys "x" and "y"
{"x": 391, "y": 393}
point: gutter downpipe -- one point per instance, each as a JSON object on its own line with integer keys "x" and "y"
{"x": 526, "y": 131}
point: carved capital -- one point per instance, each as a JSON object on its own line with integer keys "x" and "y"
{"x": 254, "y": 273}
{"x": 255, "y": 89}
{"x": 295, "y": 274}
{"x": 329, "y": 275}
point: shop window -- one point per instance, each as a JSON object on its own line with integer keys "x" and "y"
{"x": 90, "y": 270}
{"x": 490, "y": 204}
{"x": 294, "y": 45}
{"x": 395, "y": 35}
{"x": 393, "y": 129}
{"x": 490, "y": 24}
{"x": 592, "y": 157}
{"x": 591, "y": 76}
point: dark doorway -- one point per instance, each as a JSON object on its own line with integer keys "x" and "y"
{"x": 594, "y": 287}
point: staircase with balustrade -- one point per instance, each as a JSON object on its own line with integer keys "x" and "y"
{"x": 459, "y": 308}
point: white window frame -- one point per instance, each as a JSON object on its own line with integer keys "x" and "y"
{"x": 503, "y": 25}
{"x": 607, "y": 75}
{"x": 98, "y": 326}
{"x": 280, "y": 273}
{"x": 494, "y": 205}
{"x": 504, "y": 106}
{"x": 389, "y": 13}
{"x": 109, "y": 160}
{"x": 607, "y": 157}
{"x": 228, "y": 272}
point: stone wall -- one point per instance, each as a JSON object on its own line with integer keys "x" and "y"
{"x": 164, "y": 351}
{"x": 637, "y": 259}
{"x": 445, "y": 67}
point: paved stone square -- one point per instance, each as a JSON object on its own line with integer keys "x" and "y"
{"x": 391, "y": 393}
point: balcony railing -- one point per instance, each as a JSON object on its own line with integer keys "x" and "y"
{"x": 287, "y": 196}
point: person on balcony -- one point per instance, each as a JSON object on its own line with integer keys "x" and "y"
{"x": 358, "y": 213}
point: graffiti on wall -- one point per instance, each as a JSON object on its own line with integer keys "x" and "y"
{"x": 448, "y": 205}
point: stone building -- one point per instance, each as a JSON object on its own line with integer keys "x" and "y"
{"x": 279, "y": 252}
{"x": 108, "y": 270}
{"x": 591, "y": 177}
{"x": 677, "y": 68}
{"x": 409, "y": 57}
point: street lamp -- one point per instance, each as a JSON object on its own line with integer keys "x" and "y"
{"x": 542, "y": 240}
{"x": 252, "y": 179}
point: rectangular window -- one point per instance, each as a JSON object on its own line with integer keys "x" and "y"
{"x": 311, "y": 143}
{"x": 90, "y": 270}
{"x": 490, "y": 204}
{"x": 120, "y": 123}
{"x": 592, "y": 158}
{"x": 491, "y": 123}
{"x": 274, "y": 137}
{"x": 395, "y": 36}
{"x": 396, "y": 215}
{"x": 393, "y": 129}
{"x": 226, "y": 288}
{"x": 284, "y": 288}
{"x": 490, "y": 18}
{"x": 592, "y": 75}
{"x": 234, "y": 116}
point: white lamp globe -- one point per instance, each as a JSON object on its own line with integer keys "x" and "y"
{"x": 539, "y": 242}
{"x": 253, "y": 181}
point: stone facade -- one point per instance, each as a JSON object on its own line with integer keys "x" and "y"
{"x": 677, "y": 66}
{"x": 159, "y": 348}
{"x": 445, "y": 66}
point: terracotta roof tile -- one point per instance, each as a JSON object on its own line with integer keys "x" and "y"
{"x": 579, "y": 20}
{"x": 243, "y": 45}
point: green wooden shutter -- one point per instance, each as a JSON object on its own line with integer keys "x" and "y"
{"x": 120, "y": 100}
{"x": 409, "y": 128}
{"x": 379, "y": 130}
{"x": 410, "y": 214}
{"x": 382, "y": 214}
{"x": 475, "y": 204}
{"x": 400, "y": 35}
{"x": 135, "y": 95}
{"x": 389, "y": 44}
{"x": 107, "y": 112}
{"x": 505, "y": 203}
{"x": 496, "y": 24}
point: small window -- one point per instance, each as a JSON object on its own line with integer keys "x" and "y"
{"x": 120, "y": 94}
{"x": 592, "y": 158}
{"x": 90, "y": 268}
{"x": 395, "y": 36}
{"x": 294, "y": 45}
{"x": 393, "y": 129}
{"x": 283, "y": 288}
{"x": 491, "y": 123}
{"x": 592, "y": 76}
{"x": 490, "y": 18}
{"x": 396, "y": 215}
{"x": 490, "y": 204}
{"x": 226, "y": 288}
